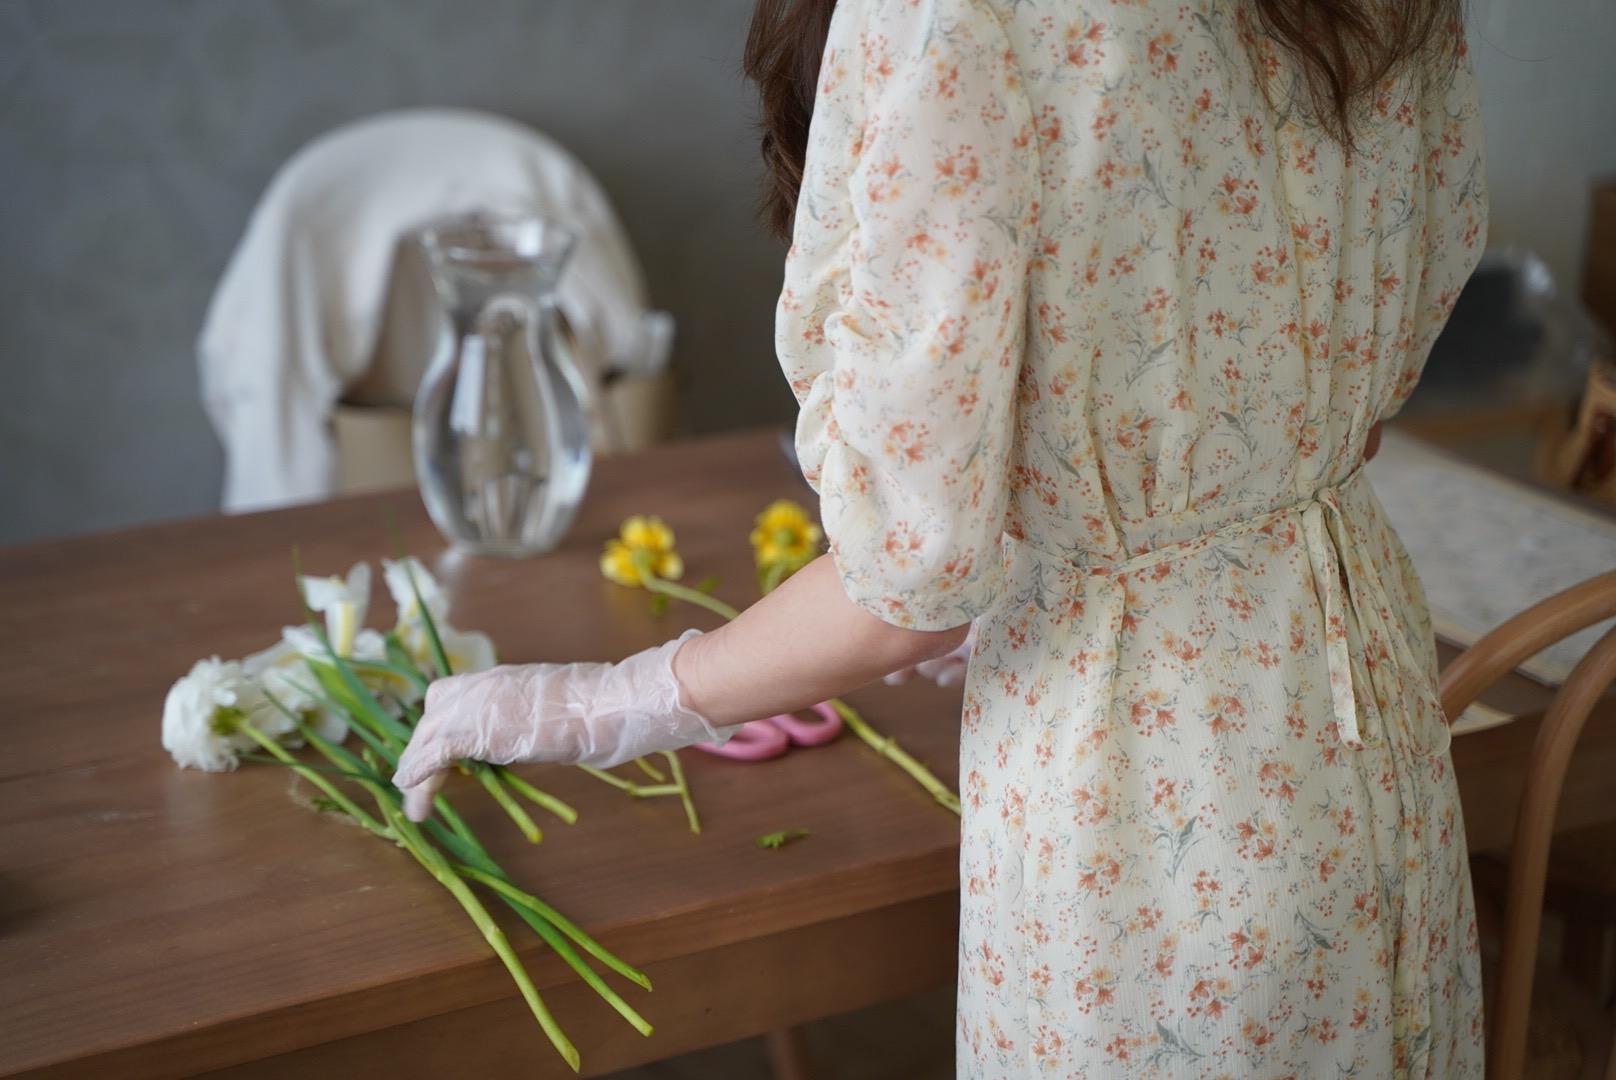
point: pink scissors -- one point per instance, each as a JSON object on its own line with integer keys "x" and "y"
{"x": 760, "y": 740}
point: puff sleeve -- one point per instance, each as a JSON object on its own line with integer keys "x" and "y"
{"x": 902, "y": 319}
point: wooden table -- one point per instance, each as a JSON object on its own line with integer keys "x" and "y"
{"x": 159, "y": 922}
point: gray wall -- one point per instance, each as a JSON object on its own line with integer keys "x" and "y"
{"x": 1548, "y": 97}
{"x": 136, "y": 135}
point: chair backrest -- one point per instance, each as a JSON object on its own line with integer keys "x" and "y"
{"x": 1491, "y": 658}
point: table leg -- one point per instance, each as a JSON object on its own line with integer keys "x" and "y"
{"x": 788, "y": 1054}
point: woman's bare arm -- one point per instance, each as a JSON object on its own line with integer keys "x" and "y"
{"x": 803, "y": 643}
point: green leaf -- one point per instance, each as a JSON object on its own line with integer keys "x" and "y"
{"x": 408, "y": 674}
{"x": 708, "y": 585}
{"x": 338, "y": 680}
{"x": 781, "y": 838}
{"x": 429, "y": 624}
{"x": 659, "y": 604}
{"x": 398, "y": 654}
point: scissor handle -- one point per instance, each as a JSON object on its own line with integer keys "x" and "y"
{"x": 810, "y": 732}
{"x": 757, "y": 740}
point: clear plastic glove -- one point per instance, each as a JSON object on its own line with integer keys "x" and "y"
{"x": 567, "y": 714}
{"x": 946, "y": 670}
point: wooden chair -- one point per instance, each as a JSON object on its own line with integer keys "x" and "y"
{"x": 1494, "y": 656}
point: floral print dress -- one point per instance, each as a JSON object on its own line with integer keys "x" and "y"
{"x": 1089, "y": 323}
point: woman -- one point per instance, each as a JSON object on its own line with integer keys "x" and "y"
{"x": 1091, "y": 308}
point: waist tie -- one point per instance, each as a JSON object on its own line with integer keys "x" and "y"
{"x": 1370, "y": 665}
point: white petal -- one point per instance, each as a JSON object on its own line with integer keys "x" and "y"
{"x": 369, "y": 645}
{"x": 469, "y": 650}
{"x": 330, "y": 727}
{"x": 397, "y": 574}
{"x": 188, "y": 713}
{"x": 304, "y": 641}
{"x": 277, "y": 655}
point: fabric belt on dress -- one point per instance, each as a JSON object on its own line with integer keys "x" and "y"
{"x": 1357, "y": 611}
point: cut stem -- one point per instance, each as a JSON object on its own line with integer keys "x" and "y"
{"x": 639, "y": 791}
{"x": 490, "y": 780}
{"x": 345, "y": 804}
{"x": 435, "y": 864}
{"x": 888, "y": 748}
{"x": 453, "y": 833}
{"x": 690, "y": 596}
{"x": 505, "y": 888}
{"x": 535, "y": 796}
{"x": 564, "y": 949}
{"x": 650, "y": 770}
{"x": 683, "y": 788}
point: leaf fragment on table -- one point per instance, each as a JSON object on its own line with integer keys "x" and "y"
{"x": 781, "y": 838}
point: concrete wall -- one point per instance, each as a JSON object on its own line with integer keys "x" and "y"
{"x": 135, "y": 136}
{"x": 1548, "y": 84}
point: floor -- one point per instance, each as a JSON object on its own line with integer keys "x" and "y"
{"x": 912, "y": 1039}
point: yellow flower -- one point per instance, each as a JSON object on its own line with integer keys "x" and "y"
{"x": 644, "y": 545}
{"x": 785, "y": 536}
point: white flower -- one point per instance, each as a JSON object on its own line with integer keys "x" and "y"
{"x": 304, "y": 644}
{"x": 397, "y": 574}
{"x": 281, "y": 673}
{"x": 367, "y": 644}
{"x": 467, "y": 650}
{"x": 203, "y": 713}
{"x": 344, "y": 602}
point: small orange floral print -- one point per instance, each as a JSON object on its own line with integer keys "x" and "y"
{"x": 1087, "y": 323}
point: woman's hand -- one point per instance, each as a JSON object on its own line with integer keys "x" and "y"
{"x": 569, "y": 714}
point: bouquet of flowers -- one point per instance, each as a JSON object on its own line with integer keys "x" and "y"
{"x": 334, "y": 677}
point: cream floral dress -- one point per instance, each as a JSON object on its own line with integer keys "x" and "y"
{"x": 1089, "y": 323}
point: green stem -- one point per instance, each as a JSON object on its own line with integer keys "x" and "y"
{"x": 689, "y": 595}
{"x": 489, "y": 779}
{"x": 684, "y": 790}
{"x": 535, "y": 796}
{"x": 565, "y": 950}
{"x": 538, "y": 915}
{"x": 452, "y": 818}
{"x": 436, "y": 865}
{"x": 340, "y": 684}
{"x": 429, "y": 623}
{"x": 395, "y": 670}
{"x": 342, "y": 801}
{"x": 509, "y": 891}
{"x": 650, "y": 770}
{"x": 888, "y": 748}
{"x": 342, "y": 709}
{"x": 400, "y": 656}
{"x": 639, "y": 791}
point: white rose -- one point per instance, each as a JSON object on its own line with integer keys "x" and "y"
{"x": 203, "y": 713}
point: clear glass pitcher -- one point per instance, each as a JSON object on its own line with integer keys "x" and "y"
{"x": 501, "y": 419}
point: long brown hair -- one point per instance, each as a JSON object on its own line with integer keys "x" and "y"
{"x": 1344, "y": 50}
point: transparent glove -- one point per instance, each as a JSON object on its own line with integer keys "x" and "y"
{"x": 568, "y": 714}
{"x": 946, "y": 670}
